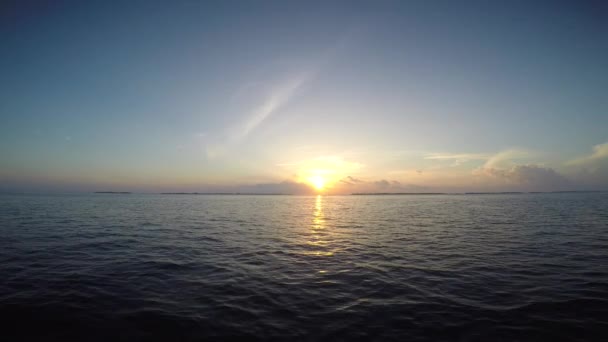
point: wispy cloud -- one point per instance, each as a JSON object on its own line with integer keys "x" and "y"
{"x": 600, "y": 152}
{"x": 277, "y": 98}
{"x": 457, "y": 156}
{"x": 268, "y": 105}
{"x": 591, "y": 169}
{"x": 277, "y": 94}
{"x": 506, "y": 158}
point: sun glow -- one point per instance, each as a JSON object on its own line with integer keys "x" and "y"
{"x": 322, "y": 174}
{"x": 317, "y": 181}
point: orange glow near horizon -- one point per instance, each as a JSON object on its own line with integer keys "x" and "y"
{"x": 318, "y": 182}
{"x": 322, "y": 173}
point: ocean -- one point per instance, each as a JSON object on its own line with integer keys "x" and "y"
{"x": 138, "y": 267}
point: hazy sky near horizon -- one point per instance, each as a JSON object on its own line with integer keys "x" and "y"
{"x": 262, "y": 96}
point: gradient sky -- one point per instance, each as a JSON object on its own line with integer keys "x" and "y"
{"x": 260, "y": 96}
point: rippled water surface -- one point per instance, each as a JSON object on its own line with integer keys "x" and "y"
{"x": 193, "y": 267}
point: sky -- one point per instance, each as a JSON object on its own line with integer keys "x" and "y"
{"x": 303, "y": 96}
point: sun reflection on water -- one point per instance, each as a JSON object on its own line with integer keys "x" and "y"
{"x": 317, "y": 219}
{"x": 319, "y": 230}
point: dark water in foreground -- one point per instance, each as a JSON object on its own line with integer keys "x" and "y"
{"x": 182, "y": 267}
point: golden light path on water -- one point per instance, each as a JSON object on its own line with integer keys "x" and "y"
{"x": 318, "y": 231}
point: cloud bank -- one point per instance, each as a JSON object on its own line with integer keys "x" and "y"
{"x": 351, "y": 184}
{"x": 527, "y": 178}
{"x": 600, "y": 153}
{"x": 589, "y": 172}
{"x": 592, "y": 169}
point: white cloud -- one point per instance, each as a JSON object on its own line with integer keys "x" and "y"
{"x": 592, "y": 169}
{"x": 528, "y": 177}
{"x": 506, "y": 158}
{"x": 507, "y": 170}
{"x": 600, "y": 152}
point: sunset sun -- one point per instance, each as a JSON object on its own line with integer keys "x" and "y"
{"x": 318, "y": 182}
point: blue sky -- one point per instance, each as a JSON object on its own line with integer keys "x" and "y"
{"x": 256, "y": 96}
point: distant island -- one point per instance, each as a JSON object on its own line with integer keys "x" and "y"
{"x": 498, "y": 193}
{"x": 398, "y": 193}
{"x": 529, "y": 192}
{"x": 359, "y": 193}
{"x": 224, "y": 193}
{"x": 112, "y": 192}
{"x": 471, "y": 193}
